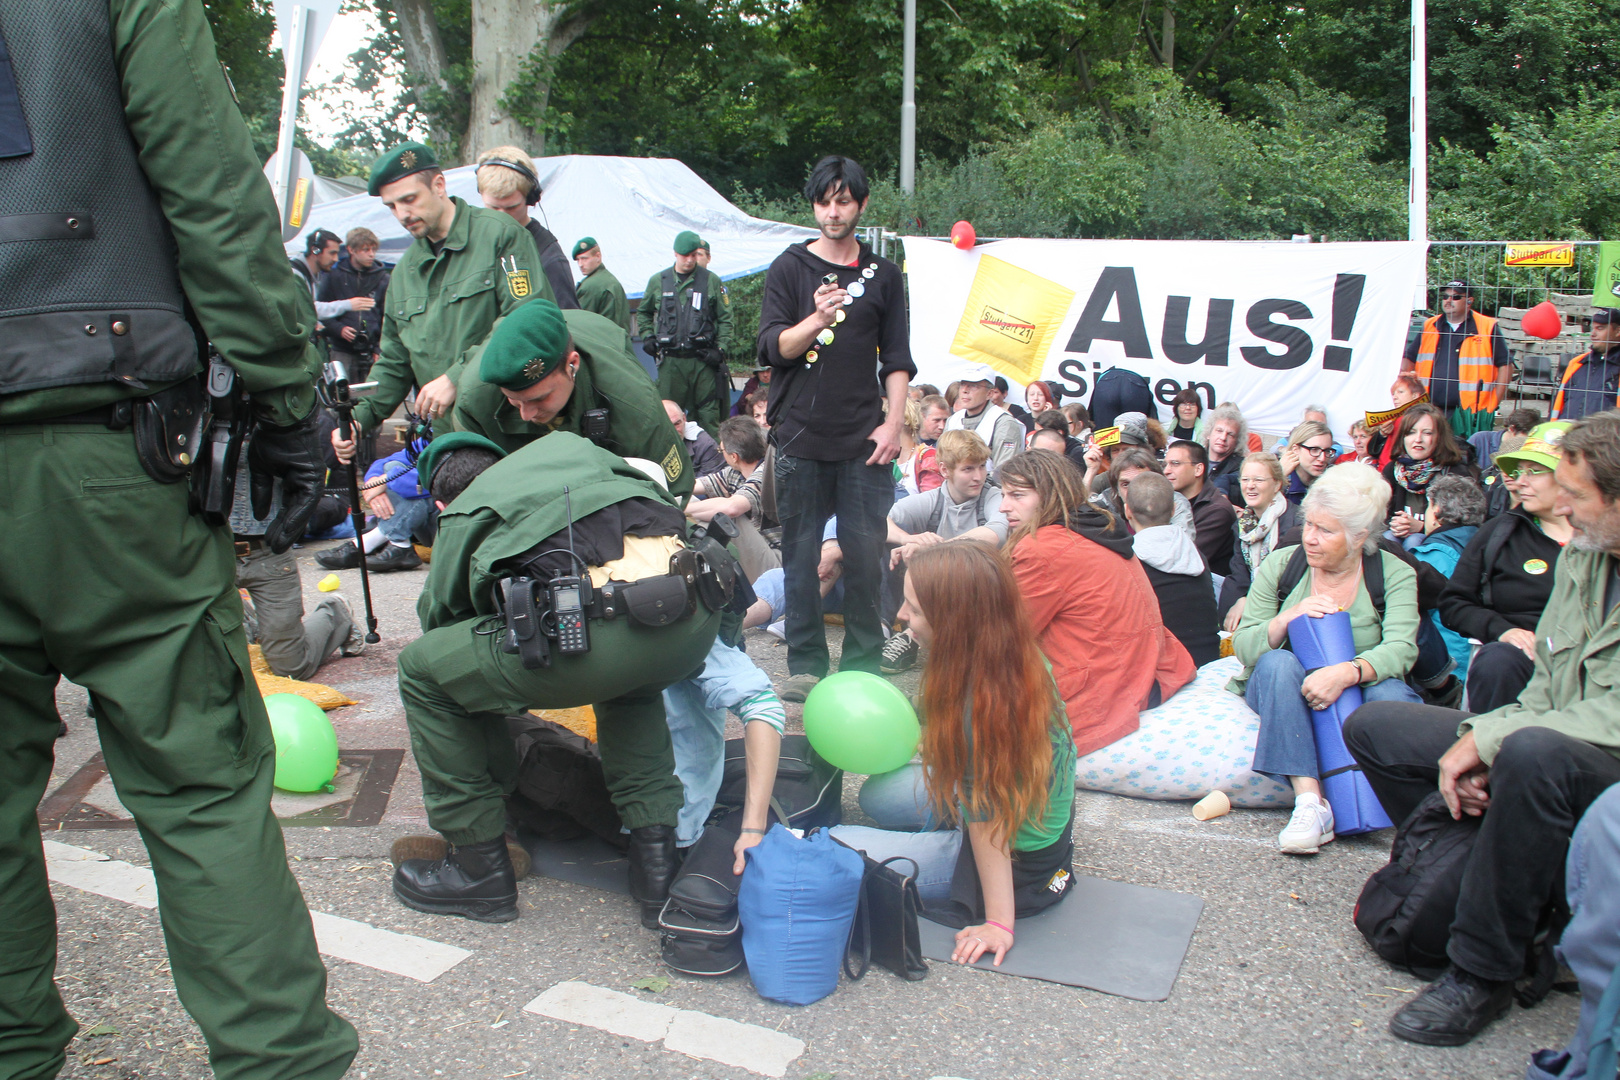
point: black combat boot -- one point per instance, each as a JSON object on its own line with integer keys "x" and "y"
{"x": 474, "y": 880}
{"x": 653, "y": 863}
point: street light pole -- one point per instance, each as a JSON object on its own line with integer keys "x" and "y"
{"x": 908, "y": 103}
{"x": 1417, "y": 227}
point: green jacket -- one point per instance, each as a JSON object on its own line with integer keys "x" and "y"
{"x": 1574, "y": 688}
{"x": 198, "y": 157}
{"x": 439, "y": 308}
{"x": 1389, "y": 645}
{"x": 719, "y": 302}
{"x": 609, "y": 377}
{"x": 511, "y": 507}
{"x": 601, "y": 292}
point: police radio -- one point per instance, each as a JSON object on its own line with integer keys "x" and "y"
{"x": 566, "y": 598}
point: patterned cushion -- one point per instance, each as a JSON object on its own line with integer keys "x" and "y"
{"x": 1201, "y": 739}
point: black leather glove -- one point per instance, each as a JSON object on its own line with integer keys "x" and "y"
{"x": 292, "y": 455}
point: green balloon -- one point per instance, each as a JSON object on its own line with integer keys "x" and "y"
{"x": 861, "y": 723}
{"x": 306, "y": 745}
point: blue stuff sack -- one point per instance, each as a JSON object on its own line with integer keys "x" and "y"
{"x": 797, "y": 902}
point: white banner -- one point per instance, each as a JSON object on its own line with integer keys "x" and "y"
{"x": 1270, "y": 326}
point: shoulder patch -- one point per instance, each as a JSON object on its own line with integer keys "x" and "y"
{"x": 672, "y": 463}
{"x": 517, "y": 282}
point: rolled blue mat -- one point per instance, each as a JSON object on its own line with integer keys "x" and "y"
{"x": 1319, "y": 642}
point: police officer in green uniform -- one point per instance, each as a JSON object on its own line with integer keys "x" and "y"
{"x": 505, "y": 527}
{"x": 594, "y": 386}
{"x": 685, "y": 320}
{"x": 466, "y": 268}
{"x": 600, "y": 291}
{"x": 106, "y": 576}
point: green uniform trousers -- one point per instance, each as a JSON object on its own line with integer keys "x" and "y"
{"x": 458, "y": 686}
{"x": 106, "y": 578}
{"x": 695, "y": 387}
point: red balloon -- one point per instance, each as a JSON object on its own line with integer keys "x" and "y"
{"x": 1543, "y": 321}
{"x": 963, "y": 236}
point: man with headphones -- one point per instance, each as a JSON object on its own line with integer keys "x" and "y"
{"x": 507, "y": 182}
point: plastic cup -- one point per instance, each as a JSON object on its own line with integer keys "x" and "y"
{"x": 1212, "y": 805}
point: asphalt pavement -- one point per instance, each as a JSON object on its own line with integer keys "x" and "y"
{"x": 1277, "y": 982}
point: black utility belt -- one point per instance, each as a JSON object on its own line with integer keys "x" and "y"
{"x": 652, "y": 601}
{"x": 539, "y": 616}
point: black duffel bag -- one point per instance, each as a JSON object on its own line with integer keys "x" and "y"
{"x": 809, "y": 793}
{"x": 1406, "y": 909}
{"x": 699, "y": 931}
{"x": 561, "y": 793}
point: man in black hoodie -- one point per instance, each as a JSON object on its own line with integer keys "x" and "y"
{"x": 353, "y": 335}
{"x": 833, "y": 324}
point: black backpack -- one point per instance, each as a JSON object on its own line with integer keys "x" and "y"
{"x": 699, "y": 930}
{"x": 1406, "y": 908}
{"x": 809, "y": 793}
{"x": 561, "y": 793}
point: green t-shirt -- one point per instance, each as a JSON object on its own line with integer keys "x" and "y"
{"x": 1049, "y": 827}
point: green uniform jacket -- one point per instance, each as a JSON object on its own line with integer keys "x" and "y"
{"x": 609, "y": 377}
{"x": 601, "y": 292}
{"x": 198, "y": 157}
{"x": 441, "y": 307}
{"x": 1576, "y": 686}
{"x": 647, "y": 313}
{"x": 511, "y": 507}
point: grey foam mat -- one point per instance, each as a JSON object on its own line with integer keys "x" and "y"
{"x": 586, "y": 861}
{"x": 1121, "y": 939}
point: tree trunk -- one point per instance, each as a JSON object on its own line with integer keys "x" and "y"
{"x": 505, "y": 34}
{"x": 425, "y": 58}
{"x": 1167, "y": 38}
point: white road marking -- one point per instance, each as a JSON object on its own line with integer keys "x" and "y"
{"x": 358, "y": 942}
{"x": 684, "y": 1031}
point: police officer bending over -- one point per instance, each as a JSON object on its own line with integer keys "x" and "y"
{"x": 106, "y": 574}
{"x": 685, "y": 320}
{"x": 586, "y": 380}
{"x": 578, "y": 564}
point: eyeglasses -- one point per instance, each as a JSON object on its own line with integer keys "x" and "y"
{"x": 1317, "y": 451}
{"x": 1453, "y": 296}
{"x": 1528, "y": 472}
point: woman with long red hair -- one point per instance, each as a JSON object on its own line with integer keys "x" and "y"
{"x": 996, "y": 756}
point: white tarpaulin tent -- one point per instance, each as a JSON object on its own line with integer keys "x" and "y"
{"x": 632, "y": 206}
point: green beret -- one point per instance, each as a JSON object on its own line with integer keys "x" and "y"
{"x": 400, "y": 162}
{"x": 687, "y": 242}
{"x": 443, "y": 446}
{"x": 704, "y": 244}
{"x": 583, "y": 246}
{"x": 526, "y": 347}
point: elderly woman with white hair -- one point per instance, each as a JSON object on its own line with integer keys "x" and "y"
{"x": 1344, "y": 513}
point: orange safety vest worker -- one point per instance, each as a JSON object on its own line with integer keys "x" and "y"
{"x": 1570, "y": 372}
{"x": 1476, "y": 363}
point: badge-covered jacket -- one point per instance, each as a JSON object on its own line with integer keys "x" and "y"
{"x": 441, "y": 306}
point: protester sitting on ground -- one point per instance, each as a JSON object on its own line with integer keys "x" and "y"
{"x": 935, "y": 411}
{"x": 1343, "y": 512}
{"x": 999, "y": 389}
{"x": 1310, "y": 414}
{"x": 1504, "y": 578}
{"x": 1053, "y": 420}
{"x": 1358, "y": 445}
{"x": 1000, "y": 430}
{"x": 1131, "y": 430}
{"x": 964, "y": 507}
{"x": 1307, "y": 455}
{"x": 1079, "y": 419}
{"x": 1487, "y": 444}
{"x": 404, "y": 514}
{"x": 1226, "y": 437}
{"x": 1188, "y": 412}
{"x": 759, "y": 379}
{"x": 1530, "y": 769}
{"x": 1456, "y": 509}
{"x": 1426, "y": 451}
{"x": 1174, "y": 568}
{"x": 738, "y": 491}
{"x": 757, "y": 405}
{"x": 1266, "y": 516}
{"x": 1125, "y": 467}
{"x": 917, "y": 467}
{"x": 1382, "y": 444}
{"x": 1157, "y": 437}
{"x": 1089, "y": 601}
{"x": 1039, "y": 397}
{"x": 700, "y": 444}
{"x": 997, "y": 759}
{"x": 1185, "y": 465}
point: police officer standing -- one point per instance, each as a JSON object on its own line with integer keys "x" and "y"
{"x": 574, "y": 372}
{"x": 106, "y": 576}
{"x": 685, "y": 320}
{"x": 466, "y": 268}
{"x": 558, "y": 526}
{"x": 600, "y": 291}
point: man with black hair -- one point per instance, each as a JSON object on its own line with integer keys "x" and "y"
{"x": 558, "y": 506}
{"x": 1186, "y": 465}
{"x": 833, "y": 323}
{"x": 320, "y": 256}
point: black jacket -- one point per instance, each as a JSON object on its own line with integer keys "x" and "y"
{"x": 826, "y": 409}
{"x": 1223, "y": 476}
{"x": 344, "y": 282}
{"x": 1187, "y": 606}
{"x": 1214, "y": 517}
{"x": 1518, "y": 596}
{"x": 559, "y": 271}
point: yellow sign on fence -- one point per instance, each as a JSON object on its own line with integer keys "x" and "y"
{"x": 1539, "y": 255}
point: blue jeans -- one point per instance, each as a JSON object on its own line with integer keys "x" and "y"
{"x": 1286, "y": 745}
{"x": 808, "y": 492}
{"x": 695, "y": 710}
{"x": 898, "y": 802}
{"x": 409, "y": 517}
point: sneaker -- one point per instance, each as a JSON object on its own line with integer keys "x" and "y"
{"x": 899, "y": 654}
{"x": 1452, "y": 1009}
{"x": 343, "y": 557}
{"x": 1309, "y": 828}
{"x": 355, "y": 643}
{"x": 798, "y": 687}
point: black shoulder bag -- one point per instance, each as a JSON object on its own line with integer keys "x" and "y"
{"x": 885, "y": 927}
